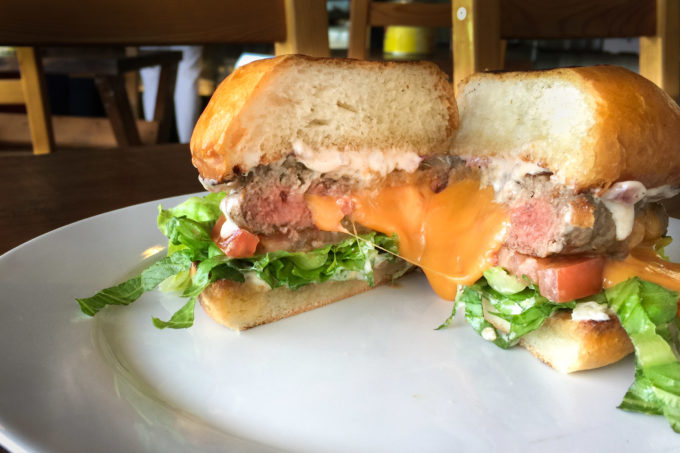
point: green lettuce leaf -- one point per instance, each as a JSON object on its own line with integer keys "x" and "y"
{"x": 524, "y": 310}
{"x": 183, "y": 318}
{"x": 648, "y": 313}
{"x": 204, "y": 210}
{"x": 189, "y": 224}
{"x": 130, "y": 290}
{"x": 188, "y": 228}
{"x": 660, "y": 246}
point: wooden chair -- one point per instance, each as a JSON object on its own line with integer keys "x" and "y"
{"x": 295, "y": 26}
{"x": 109, "y": 71}
{"x": 367, "y": 13}
{"x": 30, "y": 90}
{"x": 479, "y": 26}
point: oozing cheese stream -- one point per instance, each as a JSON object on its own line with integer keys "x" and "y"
{"x": 452, "y": 235}
{"x": 643, "y": 262}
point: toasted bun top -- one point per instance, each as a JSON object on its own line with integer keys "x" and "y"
{"x": 262, "y": 110}
{"x": 590, "y": 126}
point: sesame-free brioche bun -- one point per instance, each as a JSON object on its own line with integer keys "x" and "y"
{"x": 569, "y": 345}
{"x": 262, "y": 109}
{"x": 590, "y": 126}
{"x": 241, "y": 306}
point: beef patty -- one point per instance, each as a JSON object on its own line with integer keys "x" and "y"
{"x": 270, "y": 200}
{"x": 548, "y": 218}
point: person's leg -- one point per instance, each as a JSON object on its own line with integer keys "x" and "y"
{"x": 150, "y": 78}
{"x": 187, "y": 102}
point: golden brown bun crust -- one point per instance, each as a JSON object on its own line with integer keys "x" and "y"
{"x": 640, "y": 128}
{"x": 568, "y": 346}
{"x": 635, "y": 134}
{"x": 234, "y": 133}
{"x": 241, "y": 306}
{"x": 596, "y": 343}
{"x": 220, "y": 118}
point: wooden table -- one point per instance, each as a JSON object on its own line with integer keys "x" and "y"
{"x": 673, "y": 208}
{"x": 41, "y": 193}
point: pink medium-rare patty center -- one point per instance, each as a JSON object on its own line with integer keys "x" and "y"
{"x": 533, "y": 222}
{"x": 276, "y": 208}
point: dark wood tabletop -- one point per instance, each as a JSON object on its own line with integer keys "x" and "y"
{"x": 41, "y": 193}
{"x": 673, "y": 207}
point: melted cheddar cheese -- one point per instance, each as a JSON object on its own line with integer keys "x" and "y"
{"x": 452, "y": 235}
{"x": 643, "y": 262}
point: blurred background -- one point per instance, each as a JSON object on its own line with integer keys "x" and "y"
{"x": 202, "y": 67}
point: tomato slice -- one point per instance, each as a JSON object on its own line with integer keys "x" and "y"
{"x": 566, "y": 279}
{"x": 239, "y": 244}
{"x": 560, "y": 279}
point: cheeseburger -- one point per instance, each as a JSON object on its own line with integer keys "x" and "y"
{"x": 276, "y": 135}
{"x": 579, "y": 159}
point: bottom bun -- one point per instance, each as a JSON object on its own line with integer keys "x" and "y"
{"x": 568, "y": 345}
{"x": 241, "y": 306}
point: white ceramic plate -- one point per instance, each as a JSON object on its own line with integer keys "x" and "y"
{"x": 366, "y": 374}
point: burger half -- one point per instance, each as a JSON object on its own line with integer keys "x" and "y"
{"x": 580, "y": 159}
{"x": 276, "y": 134}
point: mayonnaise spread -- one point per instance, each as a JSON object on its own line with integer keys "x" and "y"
{"x": 356, "y": 163}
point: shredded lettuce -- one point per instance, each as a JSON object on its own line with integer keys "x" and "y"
{"x": 660, "y": 246}
{"x": 506, "y": 284}
{"x": 130, "y": 290}
{"x": 524, "y": 310}
{"x": 648, "y": 313}
{"x": 188, "y": 228}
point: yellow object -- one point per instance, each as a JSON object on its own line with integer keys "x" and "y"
{"x": 406, "y": 41}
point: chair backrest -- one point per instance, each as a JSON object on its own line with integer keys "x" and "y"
{"x": 480, "y": 25}
{"x": 366, "y": 13}
{"x": 296, "y": 25}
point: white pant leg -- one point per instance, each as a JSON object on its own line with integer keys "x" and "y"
{"x": 150, "y": 78}
{"x": 187, "y": 102}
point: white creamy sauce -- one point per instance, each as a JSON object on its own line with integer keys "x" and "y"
{"x": 662, "y": 193}
{"x": 590, "y": 311}
{"x": 226, "y": 205}
{"x": 251, "y": 278}
{"x": 504, "y": 175}
{"x": 213, "y": 186}
{"x": 516, "y": 309}
{"x": 620, "y": 200}
{"x": 361, "y": 163}
{"x": 489, "y": 334}
{"x": 623, "y": 215}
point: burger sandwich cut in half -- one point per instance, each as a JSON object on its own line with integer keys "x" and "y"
{"x": 579, "y": 158}
{"x": 276, "y": 134}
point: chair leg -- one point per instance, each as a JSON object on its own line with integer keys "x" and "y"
{"x": 659, "y": 60}
{"x": 359, "y": 12}
{"x": 35, "y": 97}
{"x": 476, "y": 37}
{"x": 114, "y": 97}
{"x": 165, "y": 101}
{"x": 307, "y": 29}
